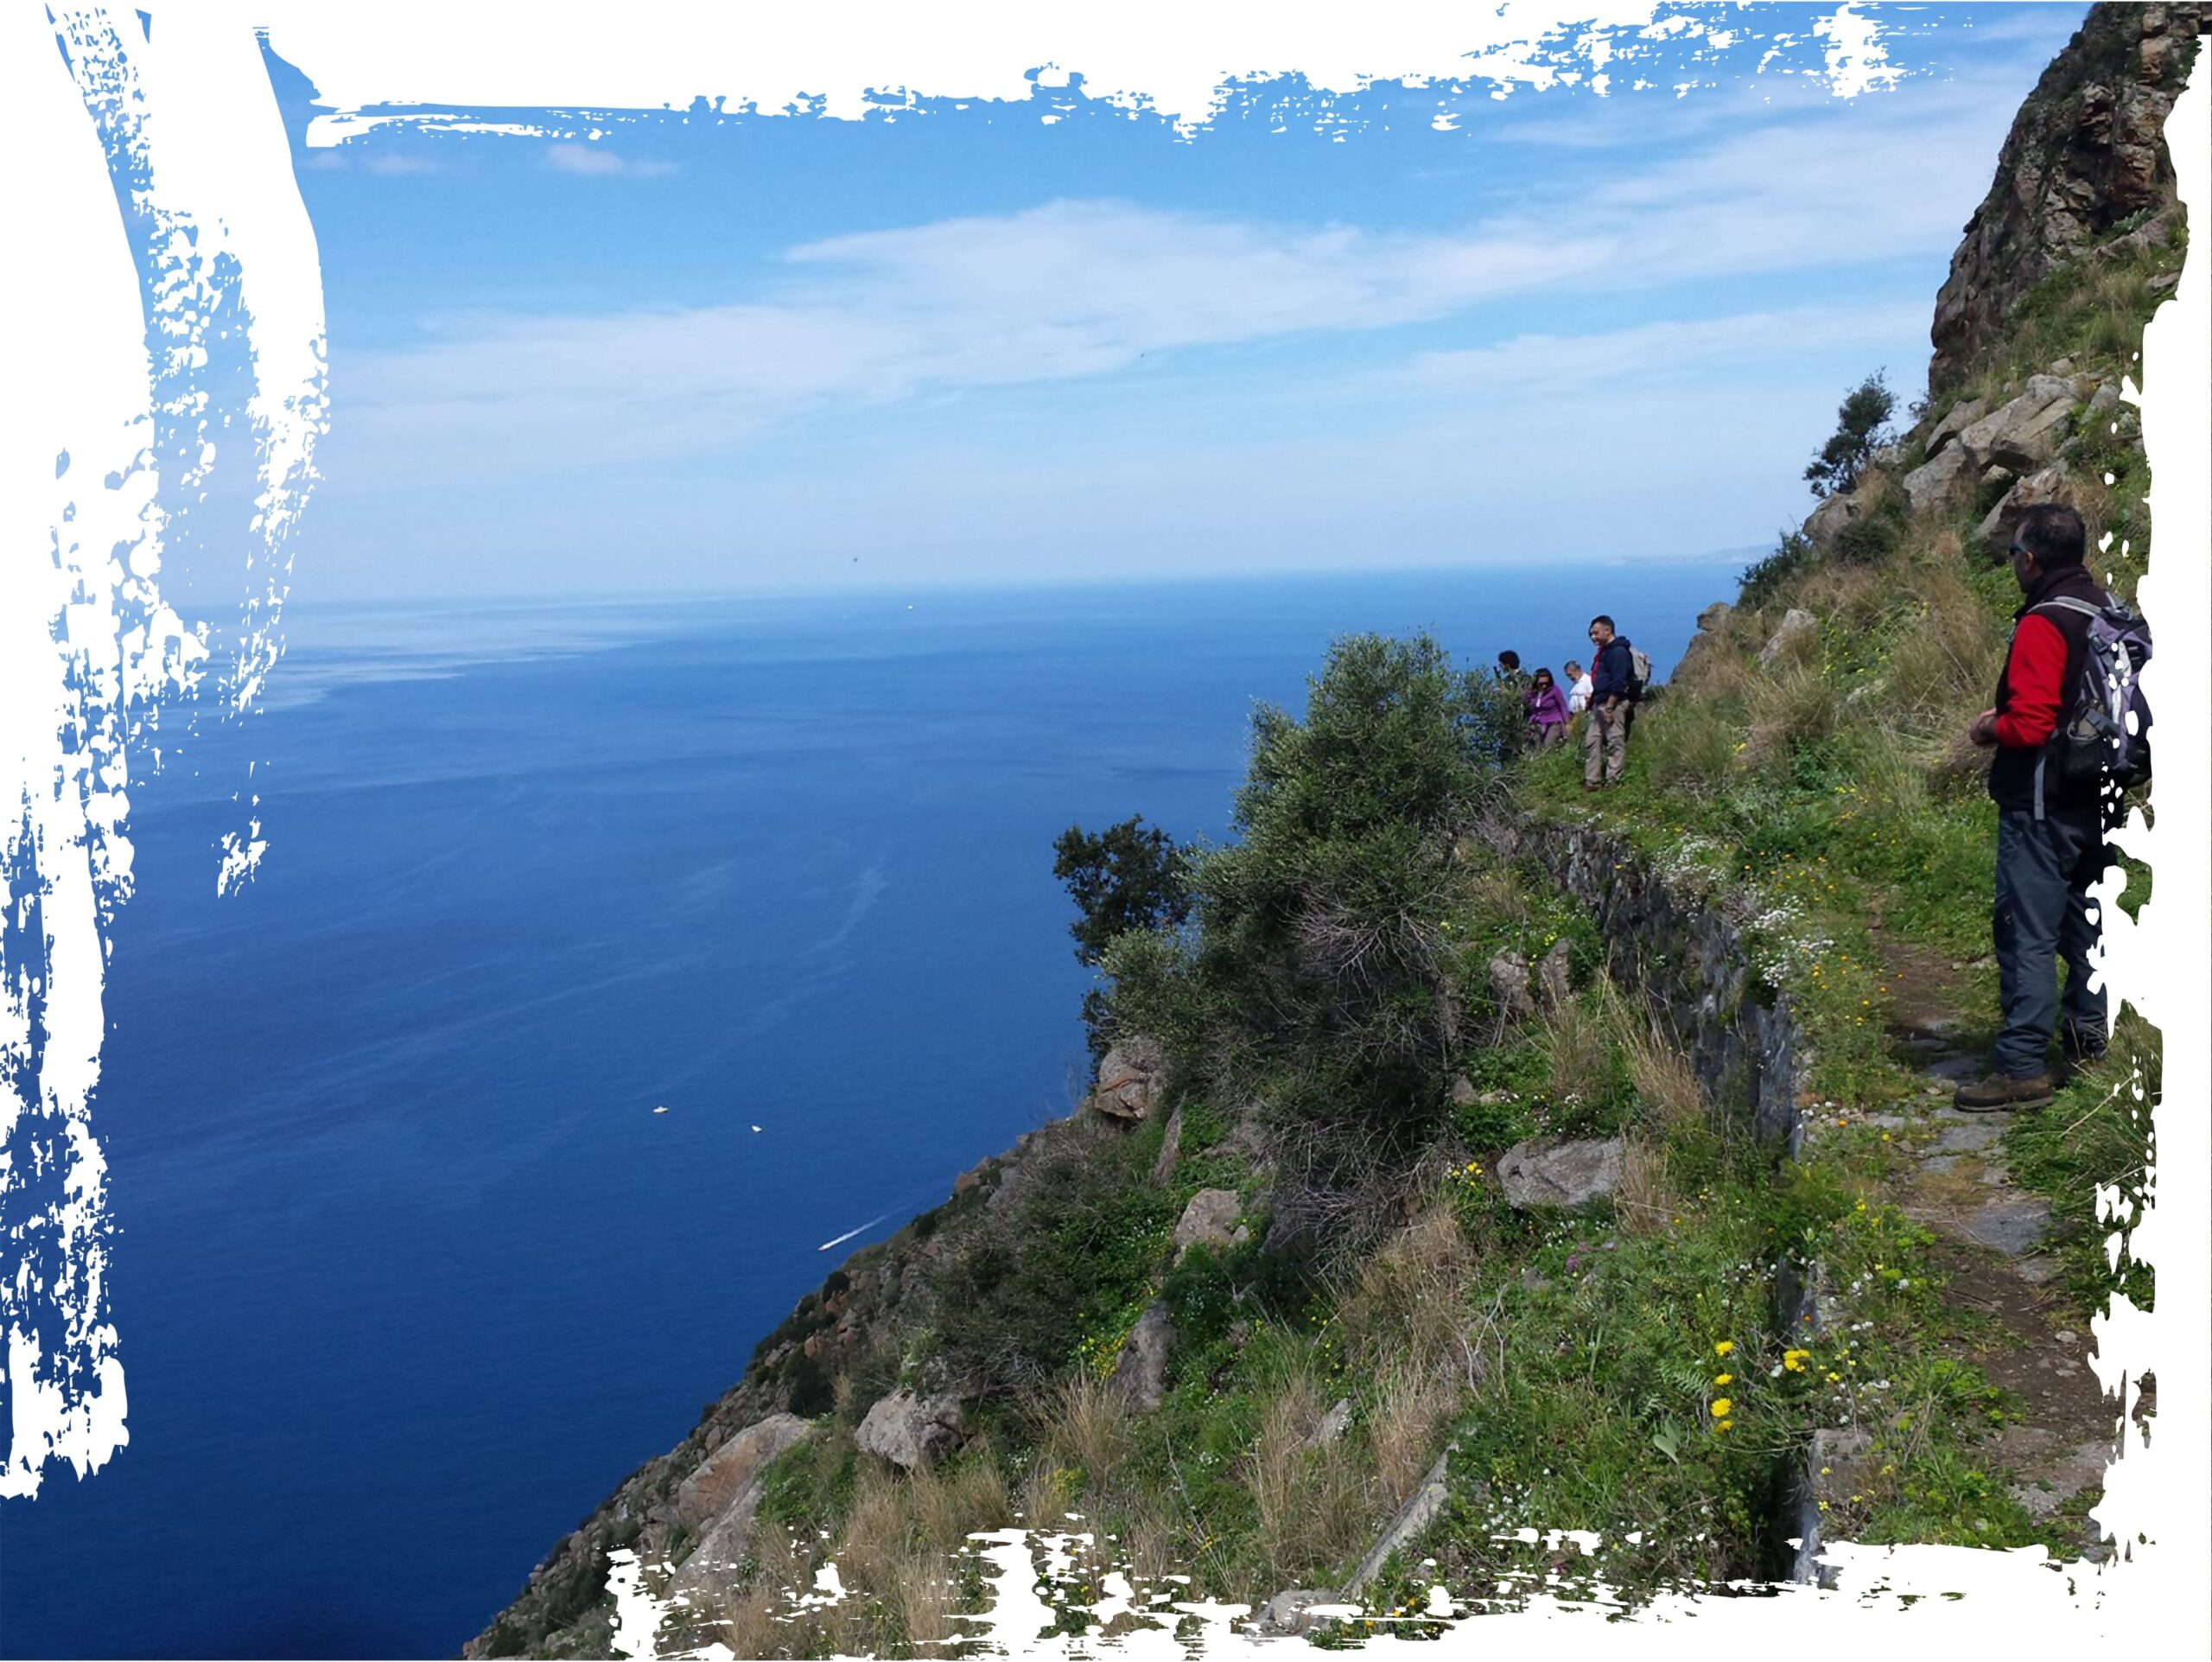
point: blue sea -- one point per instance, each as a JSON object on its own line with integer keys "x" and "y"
{"x": 409, "y": 1272}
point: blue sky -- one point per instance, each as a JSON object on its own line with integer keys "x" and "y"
{"x": 754, "y": 351}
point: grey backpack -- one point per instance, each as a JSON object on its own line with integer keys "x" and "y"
{"x": 2102, "y": 741}
{"x": 1639, "y": 671}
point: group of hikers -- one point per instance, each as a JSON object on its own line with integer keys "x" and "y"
{"x": 2071, "y": 734}
{"x": 1603, "y": 698}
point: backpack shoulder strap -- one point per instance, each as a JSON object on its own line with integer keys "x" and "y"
{"x": 2071, "y": 604}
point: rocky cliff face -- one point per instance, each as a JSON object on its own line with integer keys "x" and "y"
{"x": 2086, "y": 153}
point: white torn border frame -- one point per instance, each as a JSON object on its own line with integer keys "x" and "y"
{"x": 175, "y": 98}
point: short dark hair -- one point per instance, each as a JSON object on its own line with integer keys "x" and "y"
{"x": 1544, "y": 675}
{"x": 2053, "y": 533}
{"x": 1602, "y": 618}
{"x": 1508, "y": 659}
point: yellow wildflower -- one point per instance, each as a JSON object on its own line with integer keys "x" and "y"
{"x": 1795, "y": 1360}
{"x": 1723, "y": 1347}
{"x": 1724, "y": 1378}
{"x": 1721, "y": 1407}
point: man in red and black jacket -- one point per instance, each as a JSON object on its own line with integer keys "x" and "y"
{"x": 2050, "y": 845}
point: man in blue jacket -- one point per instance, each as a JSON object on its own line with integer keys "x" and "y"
{"x": 1612, "y": 689}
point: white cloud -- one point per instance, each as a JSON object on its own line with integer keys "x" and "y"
{"x": 595, "y": 161}
{"x": 1066, "y": 291}
{"x": 395, "y": 163}
{"x": 1082, "y": 288}
{"x": 1667, "y": 351}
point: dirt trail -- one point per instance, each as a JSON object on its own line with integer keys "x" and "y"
{"x": 1990, "y": 1234}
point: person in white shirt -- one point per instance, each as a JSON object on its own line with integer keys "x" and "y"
{"x": 1578, "y": 689}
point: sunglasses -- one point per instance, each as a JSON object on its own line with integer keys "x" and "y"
{"x": 2020, "y": 548}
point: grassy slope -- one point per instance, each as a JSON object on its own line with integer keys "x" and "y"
{"x": 1618, "y": 1373}
{"x": 1832, "y": 787}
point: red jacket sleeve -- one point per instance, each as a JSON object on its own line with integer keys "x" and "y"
{"x": 2033, "y": 674}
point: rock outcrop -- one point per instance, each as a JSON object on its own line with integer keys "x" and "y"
{"x": 1962, "y": 415}
{"x": 1210, "y": 1220}
{"x": 1798, "y": 630}
{"x": 1566, "y": 1173}
{"x": 1131, "y": 1078}
{"x": 1171, "y": 1151}
{"x": 718, "y": 1501}
{"x": 1826, "y": 524}
{"x": 2086, "y": 153}
{"x": 1555, "y": 976}
{"x": 1141, "y": 1371}
{"x": 1945, "y": 484}
{"x": 910, "y": 1430}
{"x": 1508, "y": 985}
{"x": 2024, "y": 433}
{"x": 2051, "y": 484}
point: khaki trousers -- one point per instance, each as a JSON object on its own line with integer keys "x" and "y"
{"x": 1605, "y": 745}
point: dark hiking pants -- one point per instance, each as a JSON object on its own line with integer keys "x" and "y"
{"x": 2045, "y": 868}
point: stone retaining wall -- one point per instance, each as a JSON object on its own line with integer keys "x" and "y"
{"x": 1668, "y": 938}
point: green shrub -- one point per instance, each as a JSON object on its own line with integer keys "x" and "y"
{"x": 1320, "y": 979}
{"x": 1152, "y": 988}
{"x": 1794, "y": 555}
{"x": 1873, "y": 536}
{"x": 1861, "y": 427}
{"x": 1390, "y": 736}
{"x": 1074, "y": 1240}
{"x": 1129, "y": 876}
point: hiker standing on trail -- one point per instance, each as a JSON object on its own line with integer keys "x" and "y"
{"x": 1612, "y": 704}
{"x": 2050, "y": 846}
{"x": 1578, "y": 689}
{"x": 1508, "y": 668}
{"x": 1547, "y": 708}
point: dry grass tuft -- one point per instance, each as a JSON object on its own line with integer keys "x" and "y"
{"x": 1045, "y": 1493}
{"x": 1644, "y": 1200}
{"x": 750, "y": 1624}
{"x": 1692, "y": 745}
{"x": 1497, "y": 892}
{"x": 878, "y": 1529}
{"x": 1848, "y": 597}
{"x": 1717, "y": 666}
{"x": 1308, "y": 1500}
{"x": 1944, "y": 667}
{"x": 1085, "y": 1424}
{"x": 1147, "y": 1544}
{"x": 1666, "y": 1080}
{"x": 898, "y": 1551}
{"x": 948, "y": 1506}
{"x": 1792, "y": 705}
{"x": 1578, "y": 1054}
{"x": 1411, "y": 1407}
{"x": 1404, "y": 1302}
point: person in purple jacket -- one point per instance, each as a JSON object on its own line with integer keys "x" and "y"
{"x": 1547, "y": 708}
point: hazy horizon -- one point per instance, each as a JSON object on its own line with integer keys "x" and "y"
{"x": 871, "y": 584}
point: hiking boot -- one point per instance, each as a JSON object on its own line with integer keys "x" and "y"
{"x": 2083, "y": 1041}
{"x": 2000, "y": 1094}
